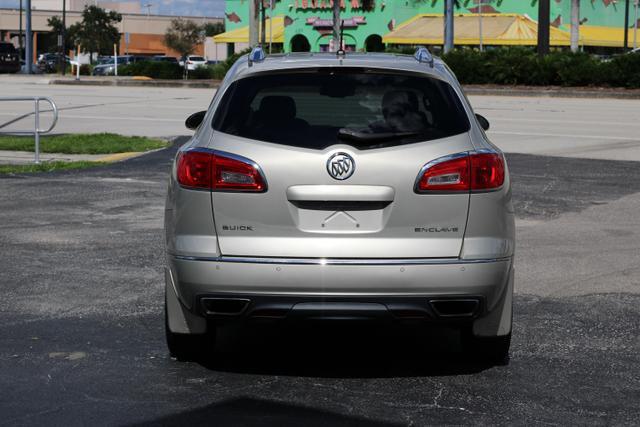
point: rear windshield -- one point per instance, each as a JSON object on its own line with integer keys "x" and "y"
{"x": 7, "y": 48}
{"x": 319, "y": 108}
{"x": 196, "y": 58}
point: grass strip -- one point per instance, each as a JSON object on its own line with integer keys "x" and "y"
{"x": 46, "y": 167}
{"x": 99, "y": 143}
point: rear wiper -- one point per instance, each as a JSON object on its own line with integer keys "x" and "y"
{"x": 355, "y": 135}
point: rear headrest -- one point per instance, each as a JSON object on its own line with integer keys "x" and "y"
{"x": 278, "y": 108}
{"x": 399, "y": 101}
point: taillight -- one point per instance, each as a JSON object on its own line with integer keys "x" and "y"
{"x": 195, "y": 169}
{"x": 447, "y": 174}
{"x": 216, "y": 171}
{"x": 462, "y": 172}
{"x": 487, "y": 171}
{"x": 234, "y": 174}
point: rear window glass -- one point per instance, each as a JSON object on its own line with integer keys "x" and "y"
{"x": 196, "y": 58}
{"x": 7, "y": 48}
{"x": 319, "y": 108}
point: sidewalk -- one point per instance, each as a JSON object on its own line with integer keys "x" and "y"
{"x": 133, "y": 81}
{"x": 26, "y": 157}
{"x": 486, "y": 90}
{"x": 552, "y": 91}
{"x": 55, "y": 79}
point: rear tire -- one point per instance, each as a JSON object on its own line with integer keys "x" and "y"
{"x": 494, "y": 350}
{"x": 190, "y": 347}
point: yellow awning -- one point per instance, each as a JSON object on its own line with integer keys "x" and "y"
{"x": 591, "y": 35}
{"x": 241, "y": 35}
{"x": 497, "y": 29}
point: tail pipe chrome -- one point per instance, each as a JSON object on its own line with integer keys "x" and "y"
{"x": 224, "y": 306}
{"x": 455, "y": 307}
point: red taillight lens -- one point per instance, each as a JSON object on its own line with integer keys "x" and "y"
{"x": 447, "y": 175}
{"x": 487, "y": 171}
{"x": 463, "y": 173}
{"x": 195, "y": 169}
{"x": 218, "y": 172}
{"x": 236, "y": 175}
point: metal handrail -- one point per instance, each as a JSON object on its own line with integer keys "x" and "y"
{"x": 36, "y": 132}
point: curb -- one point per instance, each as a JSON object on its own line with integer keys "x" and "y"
{"x": 552, "y": 92}
{"x": 480, "y": 90}
{"x": 118, "y": 157}
{"x": 195, "y": 84}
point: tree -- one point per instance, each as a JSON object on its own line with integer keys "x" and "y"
{"x": 337, "y": 25}
{"x": 183, "y": 36}
{"x": 210, "y": 29}
{"x": 55, "y": 23}
{"x": 544, "y": 7}
{"x": 96, "y": 33}
{"x": 575, "y": 25}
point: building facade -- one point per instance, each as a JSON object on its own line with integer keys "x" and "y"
{"x": 141, "y": 34}
{"x": 79, "y": 5}
{"x": 307, "y": 24}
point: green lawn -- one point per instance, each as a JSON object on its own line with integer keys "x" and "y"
{"x": 99, "y": 143}
{"x": 46, "y": 167}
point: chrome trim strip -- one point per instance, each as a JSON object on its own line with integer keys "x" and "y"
{"x": 338, "y": 261}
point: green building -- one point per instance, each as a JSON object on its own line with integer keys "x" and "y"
{"x": 306, "y": 25}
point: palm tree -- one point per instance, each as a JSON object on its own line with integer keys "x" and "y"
{"x": 336, "y": 25}
{"x": 575, "y": 25}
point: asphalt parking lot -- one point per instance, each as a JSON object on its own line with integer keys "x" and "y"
{"x": 81, "y": 327}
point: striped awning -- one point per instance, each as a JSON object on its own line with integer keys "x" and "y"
{"x": 497, "y": 29}
{"x": 241, "y": 35}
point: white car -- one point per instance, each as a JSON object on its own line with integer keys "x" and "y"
{"x": 194, "y": 62}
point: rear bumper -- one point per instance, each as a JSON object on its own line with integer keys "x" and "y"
{"x": 369, "y": 288}
{"x": 224, "y": 307}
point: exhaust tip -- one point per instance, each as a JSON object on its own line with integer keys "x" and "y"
{"x": 455, "y": 307}
{"x": 224, "y": 306}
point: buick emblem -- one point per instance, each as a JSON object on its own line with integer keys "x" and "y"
{"x": 341, "y": 166}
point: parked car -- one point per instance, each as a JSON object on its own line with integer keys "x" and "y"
{"x": 9, "y": 58}
{"x": 49, "y": 62}
{"x": 340, "y": 187}
{"x": 193, "y": 62}
{"x": 162, "y": 58}
{"x": 108, "y": 68}
{"x": 104, "y": 60}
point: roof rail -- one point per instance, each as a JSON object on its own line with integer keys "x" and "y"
{"x": 256, "y": 55}
{"x": 423, "y": 55}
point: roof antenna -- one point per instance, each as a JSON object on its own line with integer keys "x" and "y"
{"x": 341, "y": 51}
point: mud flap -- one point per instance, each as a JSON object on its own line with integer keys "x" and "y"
{"x": 180, "y": 320}
{"x": 498, "y": 322}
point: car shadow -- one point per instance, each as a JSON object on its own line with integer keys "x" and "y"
{"x": 258, "y": 412}
{"x": 342, "y": 351}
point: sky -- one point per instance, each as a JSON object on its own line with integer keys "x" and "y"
{"x": 166, "y": 7}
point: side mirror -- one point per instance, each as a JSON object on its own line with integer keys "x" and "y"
{"x": 194, "y": 120}
{"x": 484, "y": 123}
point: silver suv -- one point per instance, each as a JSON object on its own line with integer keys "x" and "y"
{"x": 323, "y": 186}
